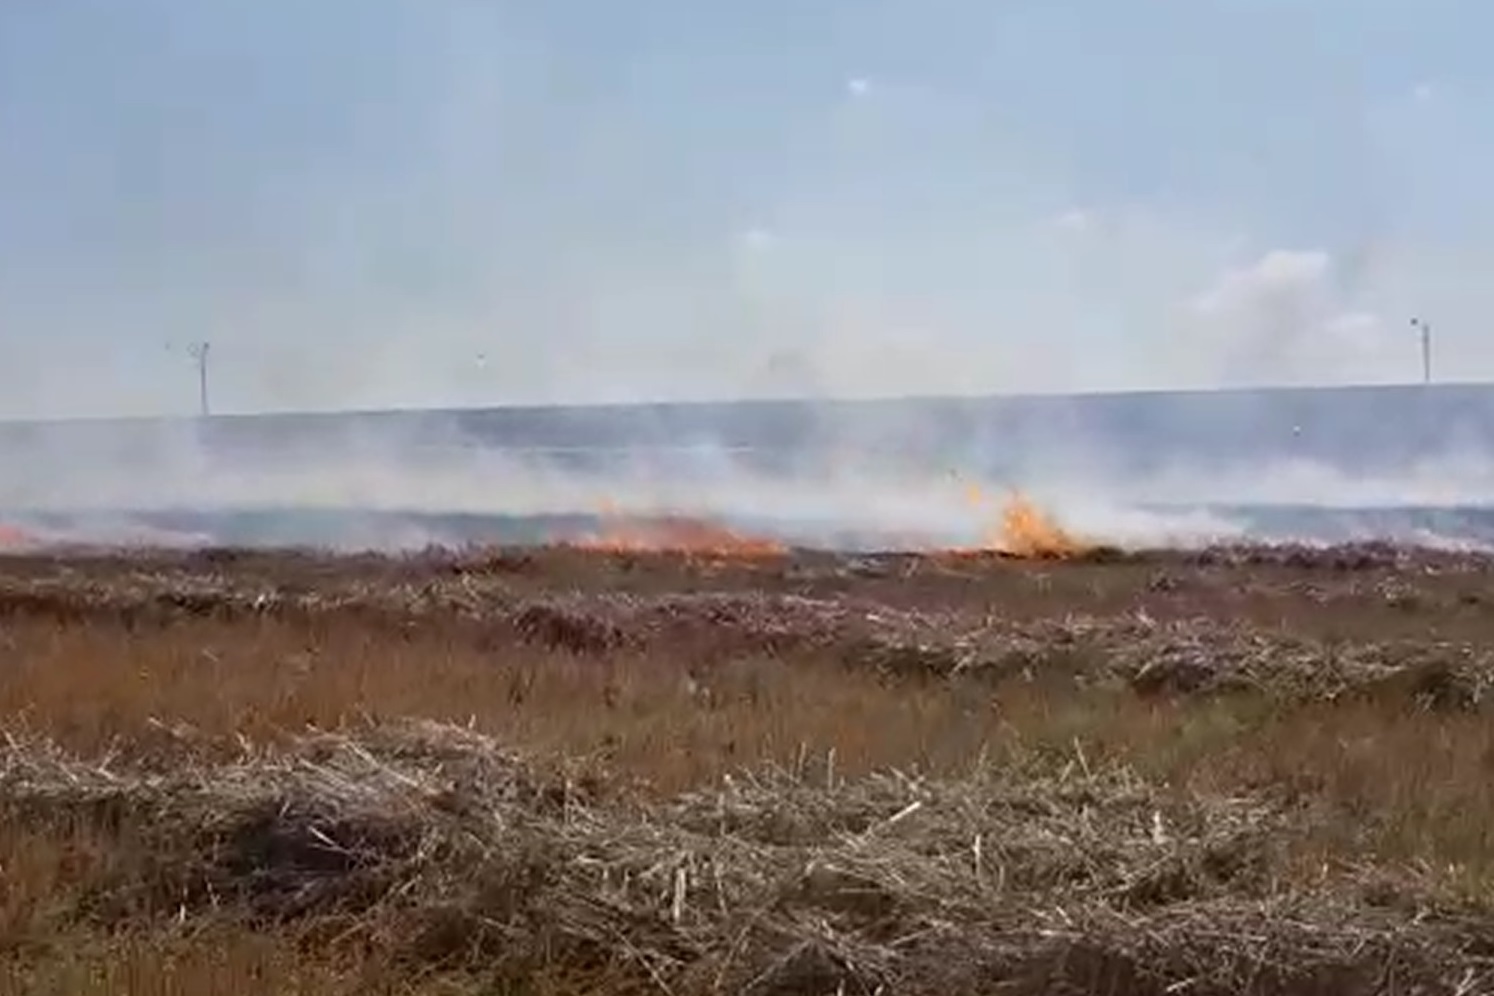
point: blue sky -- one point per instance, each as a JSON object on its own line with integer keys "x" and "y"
{"x": 411, "y": 202}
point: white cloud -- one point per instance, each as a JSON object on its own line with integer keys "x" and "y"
{"x": 1277, "y": 277}
{"x": 858, "y": 86}
{"x": 757, "y": 239}
{"x": 1076, "y": 220}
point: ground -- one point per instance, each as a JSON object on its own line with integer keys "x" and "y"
{"x": 564, "y": 771}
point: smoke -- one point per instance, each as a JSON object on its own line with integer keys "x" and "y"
{"x": 445, "y": 205}
{"x": 457, "y": 205}
{"x": 1279, "y": 315}
{"x": 1171, "y": 470}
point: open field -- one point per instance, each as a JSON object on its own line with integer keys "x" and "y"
{"x": 559, "y": 771}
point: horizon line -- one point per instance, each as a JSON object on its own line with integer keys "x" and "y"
{"x": 792, "y": 401}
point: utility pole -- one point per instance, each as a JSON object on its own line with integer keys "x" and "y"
{"x": 1426, "y": 348}
{"x": 199, "y": 352}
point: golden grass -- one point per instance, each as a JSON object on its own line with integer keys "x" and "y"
{"x": 1386, "y": 790}
{"x": 102, "y": 687}
{"x": 670, "y": 726}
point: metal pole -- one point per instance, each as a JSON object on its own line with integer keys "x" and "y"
{"x": 200, "y": 354}
{"x": 1426, "y": 349}
{"x": 1426, "y": 353}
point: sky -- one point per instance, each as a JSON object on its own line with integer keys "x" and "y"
{"x": 369, "y": 203}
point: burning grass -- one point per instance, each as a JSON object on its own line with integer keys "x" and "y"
{"x": 1022, "y": 530}
{"x": 1025, "y": 530}
{"x": 679, "y": 534}
{"x": 574, "y": 772}
{"x": 622, "y": 532}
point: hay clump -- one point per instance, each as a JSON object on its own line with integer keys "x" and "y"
{"x": 441, "y": 847}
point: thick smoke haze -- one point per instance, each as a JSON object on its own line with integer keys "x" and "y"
{"x": 387, "y": 204}
{"x": 1313, "y": 466}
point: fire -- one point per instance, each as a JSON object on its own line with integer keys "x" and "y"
{"x": 1022, "y": 530}
{"x": 1029, "y": 532}
{"x": 675, "y": 534}
{"x": 1026, "y": 530}
{"x": 15, "y": 538}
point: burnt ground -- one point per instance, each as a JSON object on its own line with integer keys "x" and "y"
{"x": 553, "y": 770}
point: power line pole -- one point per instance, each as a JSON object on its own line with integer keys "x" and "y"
{"x": 1426, "y": 348}
{"x": 199, "y": 352}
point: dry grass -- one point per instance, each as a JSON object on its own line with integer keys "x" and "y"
{"x": 562, "y": 773}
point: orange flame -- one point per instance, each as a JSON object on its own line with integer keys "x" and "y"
{"x": 1023, "y": 530}
{"x": 675, "y": 534}
{"x": 1026, "y": 530}
{"x": 15, "y": 538}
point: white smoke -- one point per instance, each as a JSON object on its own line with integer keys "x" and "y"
{"x": 1284, "y": 318}
{"x": 473, "y": 205}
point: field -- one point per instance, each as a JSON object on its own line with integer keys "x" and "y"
{"x": 564, "y": 771}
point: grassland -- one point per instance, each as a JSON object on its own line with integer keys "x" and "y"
{"x": 561, "y": 772}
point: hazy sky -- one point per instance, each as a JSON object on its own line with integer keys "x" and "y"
{"x": 408, "y": 202}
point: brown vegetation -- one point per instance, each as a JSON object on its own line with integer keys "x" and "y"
{"x": 566, "y": 771}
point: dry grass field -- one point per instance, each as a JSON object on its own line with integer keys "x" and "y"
{"x": 564, "y": 772}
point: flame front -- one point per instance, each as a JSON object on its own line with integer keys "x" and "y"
{"x": 1025, "y": 530}
{"x": 1022, "y": 530}
{"x": 675, "y": 534}
{"x": 15, "y": 538}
